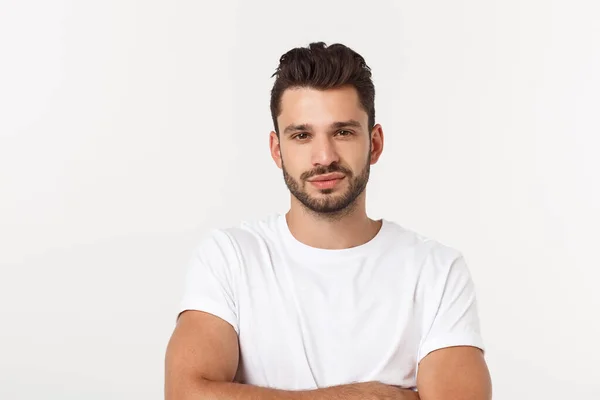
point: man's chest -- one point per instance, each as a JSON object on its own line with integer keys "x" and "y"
{"x": 304, "y": 327}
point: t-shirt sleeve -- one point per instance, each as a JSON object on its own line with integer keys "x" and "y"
{"x": 209, "y": 283}
{"x": 454, "y": 321}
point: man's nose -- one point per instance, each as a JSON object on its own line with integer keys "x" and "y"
{"x": 324, "y": 151}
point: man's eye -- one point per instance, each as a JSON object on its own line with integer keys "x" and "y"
{"x": 301, "y": 136}
{"x": 343, "y": 132}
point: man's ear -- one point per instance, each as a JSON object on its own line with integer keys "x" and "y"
{"x": 275, "y": 148}
{"x": 376, "y": 143}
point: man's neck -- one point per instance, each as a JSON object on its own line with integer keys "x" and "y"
{"x": 349, "y": 230}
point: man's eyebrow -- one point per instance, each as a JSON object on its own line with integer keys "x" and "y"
{"x": 295, "y": 128}
{"x": 351, "y": 123}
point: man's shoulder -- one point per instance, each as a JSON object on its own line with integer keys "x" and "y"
{"x": 422, "y": 246}
{"x": 245, "y": 232}
{"x": 414, "y": 237}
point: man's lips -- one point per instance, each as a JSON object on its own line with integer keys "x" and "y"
{"x": 328, "y": 181}
{"x": 326, "y": 177}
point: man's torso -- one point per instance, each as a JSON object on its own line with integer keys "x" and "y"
{"x": 312, "y": 318}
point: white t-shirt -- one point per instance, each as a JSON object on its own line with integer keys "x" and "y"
{"x": 309, "y": 318}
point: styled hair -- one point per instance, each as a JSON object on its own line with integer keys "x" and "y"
{"x": 321, "y": 67}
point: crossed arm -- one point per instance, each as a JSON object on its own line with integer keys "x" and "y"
{"x": 202, "y": 358}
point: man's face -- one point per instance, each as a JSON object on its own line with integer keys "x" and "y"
{"x": 324, "y": 147}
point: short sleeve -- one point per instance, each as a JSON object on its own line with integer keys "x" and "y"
{"x": 209, "y": 283}
{"x": 455, "y": 319}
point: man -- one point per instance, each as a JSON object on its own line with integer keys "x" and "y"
{"x": 324, "y": 302}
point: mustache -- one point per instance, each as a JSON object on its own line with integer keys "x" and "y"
{"x": 321, "y": 170}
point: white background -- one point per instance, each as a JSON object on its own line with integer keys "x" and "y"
{"x": 127, "y": 129}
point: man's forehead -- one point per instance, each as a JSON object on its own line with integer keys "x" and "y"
{"x": 321, "y": 107}
{"x": 295, "y": 94}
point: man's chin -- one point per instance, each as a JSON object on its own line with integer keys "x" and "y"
{"x": 328, "y": 195}
{"x": 333, "y": 205}
{"x": 337, "y": 190}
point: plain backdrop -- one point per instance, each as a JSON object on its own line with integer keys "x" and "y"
{"x": 130, "y": 128}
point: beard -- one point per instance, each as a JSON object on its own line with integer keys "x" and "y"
{"x": 329, "y": 204}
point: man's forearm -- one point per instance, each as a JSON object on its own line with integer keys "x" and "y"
{"x": 207, "y": 390}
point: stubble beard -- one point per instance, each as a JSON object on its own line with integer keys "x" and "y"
{"x": 330, "y": 205}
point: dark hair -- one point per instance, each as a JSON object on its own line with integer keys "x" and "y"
{"x": 323, "y": 67}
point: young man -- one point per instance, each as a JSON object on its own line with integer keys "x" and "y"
{"x": 323, "y": 302}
